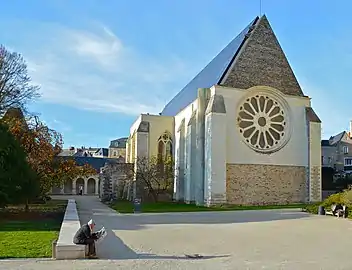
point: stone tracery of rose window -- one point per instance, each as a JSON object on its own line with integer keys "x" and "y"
{"x": 263, "y": 122}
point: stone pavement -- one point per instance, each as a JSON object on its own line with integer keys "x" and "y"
{"x": 271, "y": 239}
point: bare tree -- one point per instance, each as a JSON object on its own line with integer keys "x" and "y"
{"x": 16, "y": 89}
{"x": 155, "y": 175}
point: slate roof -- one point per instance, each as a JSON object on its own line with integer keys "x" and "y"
{"x": 105, "y": 151}
{"x": 209, "y": 76}
{"x": 96, "y": 163}
{"x": 325, "y": 143}
{"x": 253, "y": 58}
{"x": 118, "y": 143}
{"x": 312, "y": 116}
{"x": 335, "y": 139}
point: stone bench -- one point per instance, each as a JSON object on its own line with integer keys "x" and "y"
{"x": 65, "y": 248}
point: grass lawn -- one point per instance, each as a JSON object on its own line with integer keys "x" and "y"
{"x": 162, "y": 207}
{"x": 30, "y": 235}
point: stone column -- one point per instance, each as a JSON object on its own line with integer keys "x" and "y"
{"x": 127, "y": 159}
{"x": 85, "y": 189}
{"x": 203, "y": 94}
{"x": 314, "y": 145}
{"x": 187, "y": 162}
{"x": 179, "y": 181}
{"x": 190, "y": 160}
{"x": 141, "y": 151}
{"x": 215, "y": 151}
{"x": 74, "y": 186}
{"x": 96, "y": 185}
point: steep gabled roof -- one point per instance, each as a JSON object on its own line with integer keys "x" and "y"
{"x": 337, "y": 138}
{"x": 209, "y": 76}
{"x": 253, "y": 58}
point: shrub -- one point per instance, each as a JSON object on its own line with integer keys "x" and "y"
{"x": 347, "y": 198}
{"x": 337, "y": 198}
{"x": 312, "y": 208}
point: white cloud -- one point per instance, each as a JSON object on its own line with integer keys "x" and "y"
{"x": 94, "y": 70}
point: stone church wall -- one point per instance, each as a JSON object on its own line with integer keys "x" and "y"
{"x": 253, "y": 184}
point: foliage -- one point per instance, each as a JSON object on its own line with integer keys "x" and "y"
{"x": 17, "y": 179}
{"x": 343, "y": 198}
{"x": 163, "y": 207}
{"x": 312, "y": 208}
{"x": 333, "y": 199}
{"x": 15, "y": 84}
{"x": 154, "y": 174}
{"x": 42, "y": 145}
{"x": 346, "y": 197}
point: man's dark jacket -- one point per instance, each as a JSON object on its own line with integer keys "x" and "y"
{"x": 82, "y": 235}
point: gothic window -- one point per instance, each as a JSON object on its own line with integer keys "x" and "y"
{"x": 164, "y": 145}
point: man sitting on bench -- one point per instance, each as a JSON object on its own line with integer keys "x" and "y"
{"x": 85, "y": 236}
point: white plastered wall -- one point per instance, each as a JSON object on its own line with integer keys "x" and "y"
{"x": 182, "y": 118}
{"x": 215, "y": 158}
{"x": 294, "y": 153}
{"x": 315, "y": 183}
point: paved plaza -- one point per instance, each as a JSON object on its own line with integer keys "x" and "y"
{"x": 270, "y": 239}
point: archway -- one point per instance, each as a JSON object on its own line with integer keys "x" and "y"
{"x": 79, "y": 183}
{"x": 56, "y": 190}
{"x": 68, "y": 186}
{"x": 91, "y": 186}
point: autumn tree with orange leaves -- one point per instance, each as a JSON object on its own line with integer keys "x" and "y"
{"x": 42, "y": 146}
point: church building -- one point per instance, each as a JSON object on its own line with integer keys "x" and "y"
{"x": 241, "y": 132}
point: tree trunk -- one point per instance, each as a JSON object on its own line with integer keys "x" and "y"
{"x": 26, "y": 208}
{"x": 154, "y": 195}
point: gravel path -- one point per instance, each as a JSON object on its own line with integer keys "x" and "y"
{"x": 270, "y": 239}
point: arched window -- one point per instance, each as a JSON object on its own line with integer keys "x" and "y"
{"x": 164, "y": 145}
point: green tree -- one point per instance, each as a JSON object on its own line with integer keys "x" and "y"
{"x": 17, "y": 179}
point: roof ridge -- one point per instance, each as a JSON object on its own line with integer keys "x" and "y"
{"x": 208, "y": 76}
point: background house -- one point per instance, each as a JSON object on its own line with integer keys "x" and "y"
{"x": 117, "y": 148}
{"x": 336, "y": 162}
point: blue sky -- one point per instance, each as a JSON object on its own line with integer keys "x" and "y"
{"x": 101, "y": 63}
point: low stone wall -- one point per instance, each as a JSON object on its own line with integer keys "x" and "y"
{"x": 250, "y": 184}
{"x": 65, "y": 248}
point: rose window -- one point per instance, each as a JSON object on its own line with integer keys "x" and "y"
{"x": 263, "y": 121}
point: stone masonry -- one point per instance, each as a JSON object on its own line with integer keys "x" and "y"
{"x": 265, "y": 184}
{"x": 262, "y": 61}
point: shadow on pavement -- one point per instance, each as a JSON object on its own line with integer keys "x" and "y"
{"x": 123, "y": 252}
{"x": 113, "y": 247}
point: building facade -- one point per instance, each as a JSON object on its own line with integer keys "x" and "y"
{"x": 117, "y": 148}
{"x": 241, "y": 132}
{"x": 337, "y": 152}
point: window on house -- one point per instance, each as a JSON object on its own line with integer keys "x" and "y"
{"x": 114, "y": 153}
{"x": 329, "y": 160}
{"x": 322, "y": 160}
{"x": 348, "y": 161}
{"x": 345, "y": 149}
